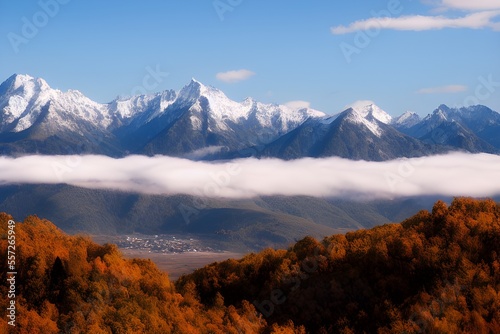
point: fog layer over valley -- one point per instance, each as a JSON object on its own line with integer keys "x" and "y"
{"x": 454, "y": 174}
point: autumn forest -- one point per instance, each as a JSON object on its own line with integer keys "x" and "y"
{"x": 436, "y": 272}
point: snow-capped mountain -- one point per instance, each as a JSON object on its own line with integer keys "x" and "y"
{"x": 369, "y": 115}
{"x": 406, "y": 120}
{"x": 35, "y": 118}
{"x": 203, "y": 119}
{"x": 223, "y": 111}
{"x": 363, "y": 131}
{"x": 144, "y": 107}
{"x": 201, "y": 122}
{"x": 473, "y": 129}
{"x": 23, "y": 98}
{"x": 364, "y": 113}
{"x": 367, "y": 109}
{"x": 192, "y": 119}
{"x": 484, "y": 122}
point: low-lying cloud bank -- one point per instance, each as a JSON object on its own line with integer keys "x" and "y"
{"x": 456, "y": 174}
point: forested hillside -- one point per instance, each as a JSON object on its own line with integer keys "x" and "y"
{"x": 72, "y": 285}
{"x": 437, "y": 272}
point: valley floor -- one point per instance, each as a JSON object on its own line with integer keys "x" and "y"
{"x": 175, "y": 255}
{"x": 178, "y": 264}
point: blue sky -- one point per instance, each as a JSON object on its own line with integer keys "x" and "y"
{"x": 403, "y": 55}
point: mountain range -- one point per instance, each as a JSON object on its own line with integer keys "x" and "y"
{"x": 201, "y": 122}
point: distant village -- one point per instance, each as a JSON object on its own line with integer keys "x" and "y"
{"x": 162, "y": 244}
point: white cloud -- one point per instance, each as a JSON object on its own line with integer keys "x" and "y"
{"x": 456, "y": 174}
{"x": 443, "y": 89}
{"x": 234, "y": 76}
{"x": 471, "y": 5}
{"x": 419, "y": 23}
{"x": 298, "y": 104}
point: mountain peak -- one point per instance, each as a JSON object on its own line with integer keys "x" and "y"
{"x": 441, "y": 112}
{"x": 357, "y": 117}
{"x": 406, "y": 120}
{"x": 360, "y": 104}
{"x": 16, "y": 81}
{"x": 443, "y": 107}
{"x": 192, "y": 91}
{"x": 19, "y": 79}
{"x": 24, "y": 85}
{"x": 194, "y": 84}
{"x": 194, "y": 81}
{"x": 367, "y": 109}
{"x": 195, "y": 89}
{"x": 407, "y": 114}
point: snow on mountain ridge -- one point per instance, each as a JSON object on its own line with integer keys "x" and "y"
{"x": 366, "y": 107}
{"x": 23, "y": 103}
{"x": 128, "y": 108}
{"x": 368, "y": 113}
{"x": 404, "y": 117}
{"x": 357, "y": 117}
{"x": 24, "y": 92}
{"x": 406, "y": 120}
{"x": 222, "y": 109}
{"x": 150, "y": 122}
{"x": 26, "y": 96}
